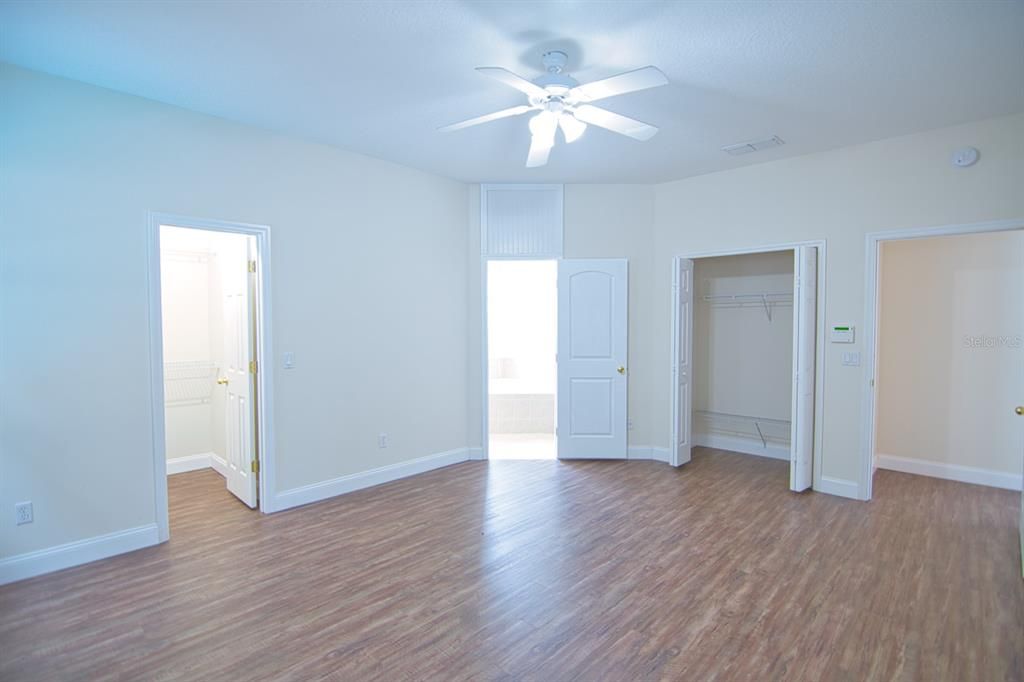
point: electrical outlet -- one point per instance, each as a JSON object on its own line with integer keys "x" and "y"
{"x": 22, "y": 513}
{"x": 382, "y": 440}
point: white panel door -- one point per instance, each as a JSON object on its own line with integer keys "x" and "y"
{"x": 682, "y": 363}
{"x": 592, "y": 336}
{"x": 239, "y": 352}
{"x": 805, "y": 305}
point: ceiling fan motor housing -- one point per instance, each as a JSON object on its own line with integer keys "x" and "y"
{"x": 555, "y": 81}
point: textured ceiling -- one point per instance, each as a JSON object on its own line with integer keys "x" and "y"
{"x": 380, "y": 77}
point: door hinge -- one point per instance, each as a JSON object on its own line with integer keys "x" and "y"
{"x": 255, "y": 466}
{"x": 253, "y": 367}
{"x": 252, "y": 266}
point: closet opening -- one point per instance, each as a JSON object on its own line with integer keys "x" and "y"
{"x": 744, "y": 356}
{"x": 522, "y": 332}
{"x": 211, "y": 322}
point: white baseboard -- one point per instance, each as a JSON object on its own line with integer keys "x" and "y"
{"x": 647, "y": 452}
{"x": 31, "y": 564}
{"x": 838, "y": 486}
{"x": 639, "y": 452}
{"x": 950, "y": 472}
{"x": 179, "y": 465}
{"x": 219, "y": 464}
{"x": 476, "y": 454}
{"x": 345, "y": 484}
{"x": 744, "y": 445}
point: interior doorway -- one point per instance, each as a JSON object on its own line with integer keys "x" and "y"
{"x": 949, "y": 357}
{"x": 747, "y": 331}
{"x": 209, "y": 309}
{"x": 210, "y": 338}
{"x": 522, "y": 332}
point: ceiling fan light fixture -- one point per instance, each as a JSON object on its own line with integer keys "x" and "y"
{"x": 572, "y": 128}
{"x": 543, "y": 127}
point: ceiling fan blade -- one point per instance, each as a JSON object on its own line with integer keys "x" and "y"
{"x": 631, "y": 81}
{"x": 538, "y": 155}
{"x": 504, "y": 113}
{"x": 543, "y": 127}
{"x": 617, "y": 123}
{"x": 511, "y": 79}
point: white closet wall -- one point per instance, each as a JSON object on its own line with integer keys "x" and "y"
{"x": 743, "y": 352}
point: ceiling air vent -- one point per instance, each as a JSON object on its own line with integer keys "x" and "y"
{"x": 755, "y": 146}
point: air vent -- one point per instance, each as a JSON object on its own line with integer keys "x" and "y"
{"x": 755, "y": 146}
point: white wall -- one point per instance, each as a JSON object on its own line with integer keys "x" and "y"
{"x": 369, "y": 292}
{"x": 839, "y": 196}
{"x": 951, "y": 350}
{"x": 742, "y": 362}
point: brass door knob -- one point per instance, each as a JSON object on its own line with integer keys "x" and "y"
{"x": 223, "y": 381}
{"x": 621, "y": 369}
{"x": 1020, "y": 410}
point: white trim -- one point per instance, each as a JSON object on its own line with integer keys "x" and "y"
{"x": 485, "y": 369}
{"x": 365, "y": 479}
{"x": 179, "y": 465}
{"x": 264, "y": 356}
{"x": 951, "y": 472}
{"x": 742, "y": 445}
{"x": 819, "y": 350}
{"x": 873, "y": 243}
{"x": 476, "y": 454}
{"x": 31, "y": 564}
{"x": 639, "y": 452}
{"x": 219, "y": 464}
{"x": 647, "y": 453}
{"x": 837, "y": 486}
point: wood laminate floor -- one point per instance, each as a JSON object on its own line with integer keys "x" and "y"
{"x": 547, "y": 571}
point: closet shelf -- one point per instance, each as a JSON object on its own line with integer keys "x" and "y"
{"x": 766, "y": 429}
{"x": 189, "y": 383}
{"x": 765, "y": 300}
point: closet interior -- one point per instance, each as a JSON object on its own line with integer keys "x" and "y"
{"x": 743, "y": 353}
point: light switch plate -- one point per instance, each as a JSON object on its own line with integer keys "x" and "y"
{"x": 851, "y": 358}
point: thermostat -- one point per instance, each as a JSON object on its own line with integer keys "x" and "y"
{"x": 842, "y": 333}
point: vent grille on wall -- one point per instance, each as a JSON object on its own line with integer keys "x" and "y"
{"x": 755, "y": 146}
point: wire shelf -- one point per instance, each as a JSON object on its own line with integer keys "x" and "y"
{"x": 189, "y": 382}
{"x": 766, "y": 301}
{"x": 764, "y": 429}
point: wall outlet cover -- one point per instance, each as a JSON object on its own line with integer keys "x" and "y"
{"x": 23, "y": 513}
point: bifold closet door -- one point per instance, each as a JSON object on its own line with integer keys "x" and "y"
{"x": 682, "y": 362}
{"x": 592, "y": 337}
{"x": 805, "y": 305}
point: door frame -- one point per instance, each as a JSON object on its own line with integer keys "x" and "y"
{"x": 869, "y": 390}
{"x": 820, "y": 336}
{"x": 264, "y": 355}
{"x": 485, "y": 384}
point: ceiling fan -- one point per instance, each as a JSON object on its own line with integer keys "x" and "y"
{"x": 562, "y": 103}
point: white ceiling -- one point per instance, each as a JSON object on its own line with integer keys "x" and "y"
{"x": 380, "y": 77}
